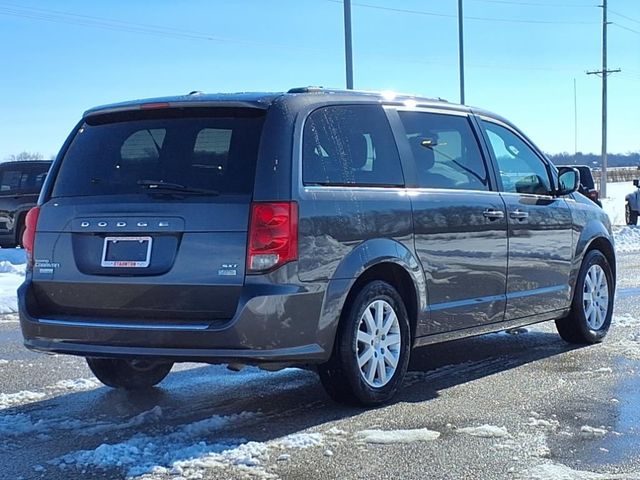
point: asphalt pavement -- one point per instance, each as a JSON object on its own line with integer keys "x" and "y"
{"x": 516, "y": 405}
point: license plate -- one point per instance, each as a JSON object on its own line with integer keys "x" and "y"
{"x": 126, "y": 252}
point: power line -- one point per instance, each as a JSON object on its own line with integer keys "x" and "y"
{"x": 445, "y": 15}
{"x": 624, "y": 16}
{"x": 625, "y": 28}
{"x": 68, "y": 18}
{"x": 530, "y": 4}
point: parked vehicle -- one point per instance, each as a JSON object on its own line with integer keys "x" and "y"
{"x": 632, "y": 205}
{"x": 587, "y": 184}
{"x": 20, "y": 184}
{"x": 316, "y": 227}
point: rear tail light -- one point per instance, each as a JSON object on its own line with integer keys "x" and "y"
{"x": 273, "y": 235}
{"x": 29, "y": 235}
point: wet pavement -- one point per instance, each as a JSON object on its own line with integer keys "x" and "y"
{"x": 547, "y": 410}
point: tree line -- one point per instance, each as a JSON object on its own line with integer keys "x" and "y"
{"x": 593, "y": 160}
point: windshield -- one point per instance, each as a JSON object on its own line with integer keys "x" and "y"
{"x": 117, "y": 154}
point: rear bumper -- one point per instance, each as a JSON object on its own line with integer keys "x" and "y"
{"x": 273, "y": 323}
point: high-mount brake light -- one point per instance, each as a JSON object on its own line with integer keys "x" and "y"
{"x": 273, "y": 235}
{"x": 29, "y": 235}
{"x": 152, "y": 106}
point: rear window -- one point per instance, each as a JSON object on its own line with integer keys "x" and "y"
{"x": 202, "y": 149}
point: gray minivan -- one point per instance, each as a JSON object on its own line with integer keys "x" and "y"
{"x": 325, "y": 228}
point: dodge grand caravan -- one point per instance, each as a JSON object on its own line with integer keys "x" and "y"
{"x": 330, "y": 228}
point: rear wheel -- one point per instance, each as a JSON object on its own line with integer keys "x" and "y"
{"x": 631, "y": 216}
{"x": 592, "y": 307}
{"x": 371, "y": 353}
{"x": 20, "y": 232}
{"x": 128, "y": 374}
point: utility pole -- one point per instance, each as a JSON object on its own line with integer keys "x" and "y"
{"x": 461, "y": 50}
{"x": 575, "y": 117}
{"x": 348, "y": 54}
{"x": 604, "y": 73}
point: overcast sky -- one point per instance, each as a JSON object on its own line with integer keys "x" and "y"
{"x": 59, "y": 58}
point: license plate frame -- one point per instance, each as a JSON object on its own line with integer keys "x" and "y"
{"x": 126, "y": 263}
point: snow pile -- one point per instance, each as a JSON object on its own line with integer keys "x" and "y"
{"x": 485, "y": 431}
{"x": 592, "y": 432}
{"x": 552, "y": 471}
{"x": 140, "y": 453}
{"x": 79, "y": 384}
{"x": 12, "y": 266}
{"x": 398, "y": 436}
{"x": 12, "y": 399}
{"x": 302, "y": 440}
{"x": 627, "y": 239}
{"x": 18, "y": 424}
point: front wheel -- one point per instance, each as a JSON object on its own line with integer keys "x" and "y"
{"x": 592, "y": 306}
{"x": 128, "y": 374}
{"x": 372, "y": 348}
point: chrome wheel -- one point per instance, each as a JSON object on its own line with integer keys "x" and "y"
{"x": 378, "y": 343}
{"x": 595, "y": 297}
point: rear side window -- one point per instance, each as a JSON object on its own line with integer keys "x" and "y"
{"x": 586, "y": 178}
{"x": 445, "y": 151}
{"x": 12, "y": 180}
{"x": 350, "y": 145}
{"x": 212, "y": 149}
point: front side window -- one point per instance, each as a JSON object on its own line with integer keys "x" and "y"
{"x": 445, "y": 151}
{"x": 350, "y": 145}
{"x": 521, "y": 169}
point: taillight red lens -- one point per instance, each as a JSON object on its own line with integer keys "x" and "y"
{"x": 273, "y": 235}
{"x": 29, "y": 236}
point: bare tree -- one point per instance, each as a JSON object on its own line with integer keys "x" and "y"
{"x": 22, "y": 156}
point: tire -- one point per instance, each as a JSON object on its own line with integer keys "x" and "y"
{"x": 631, "y": 216}
{"x": 21, "y": 228}
{"x": 592, "y": 306}
{"x": 377, "y": 381}
{"x": 128, "y": 374}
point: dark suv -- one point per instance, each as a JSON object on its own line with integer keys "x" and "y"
{"x": 20, "y": 184}
{"x": 315, "y": 227}
{"x": 587, "y": 184}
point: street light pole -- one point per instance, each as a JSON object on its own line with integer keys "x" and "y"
{"x": 348, "y": 54}
{"x": 461, "y": 50}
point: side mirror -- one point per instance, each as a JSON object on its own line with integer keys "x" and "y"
{"x": 568, "y": 180}
{"x": 636, "y": 182}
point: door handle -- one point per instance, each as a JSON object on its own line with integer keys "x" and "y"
{"x": 493, "y": 214}
{"x": 519, "y": 215}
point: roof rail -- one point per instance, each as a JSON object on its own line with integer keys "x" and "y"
{"x": 309, "y": 89}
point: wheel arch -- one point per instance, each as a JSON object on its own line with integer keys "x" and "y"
{"x": 594, "y": 237}
{"x": 379, "y": 259}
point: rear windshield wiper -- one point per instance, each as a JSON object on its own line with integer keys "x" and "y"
{"x": 161, "y": 186}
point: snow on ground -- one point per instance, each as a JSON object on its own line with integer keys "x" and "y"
{"x": 13, "y": 399}
{"x": 398, "y": 436}
{"x": 614, "y": 203}
{"x": 485, "y": 431}
{"x": 553, "y": 471}
{"x": 183, "y": 452}
{"x": 627, "y": 239}
{"x": 12, "y": 266}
